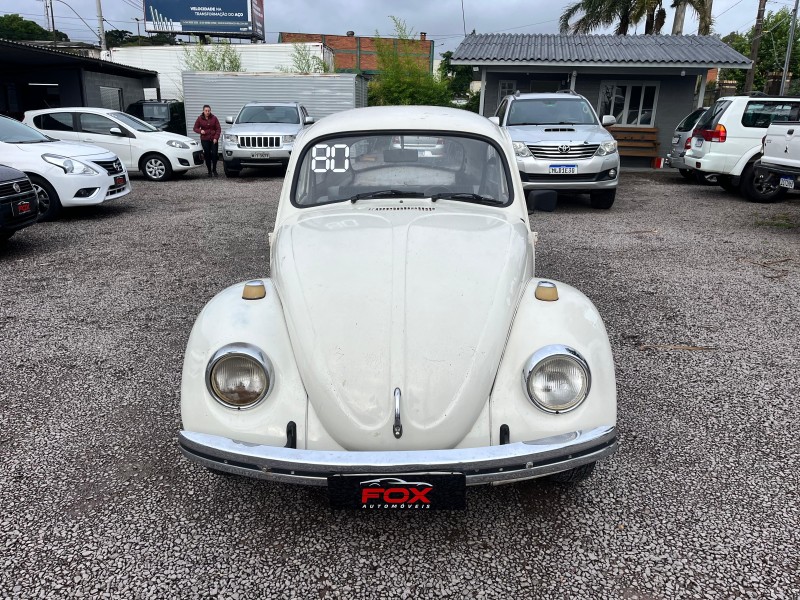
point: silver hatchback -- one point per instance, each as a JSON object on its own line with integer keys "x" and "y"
{"x": 681, "y": 139}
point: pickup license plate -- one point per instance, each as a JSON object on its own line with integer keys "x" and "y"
{"x": 119, "y": 180}
{"x": 676, "y": 139}
{"x": 787, "y": 182}
{"x": 23, "y": 207}
{"x": 563, "y": 169}
{"x": 398, "y": 491}
{"x": 698, "y": 142}
{"x": 259, "y": 155}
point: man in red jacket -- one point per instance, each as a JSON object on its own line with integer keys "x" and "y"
{"x": 207, "y": 125}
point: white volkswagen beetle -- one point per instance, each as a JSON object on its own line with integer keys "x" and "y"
{"x": 402, "y": 348}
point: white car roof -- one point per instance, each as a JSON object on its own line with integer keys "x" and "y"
{"x": 93, "y": 109}
{"x": 394, "y": 118}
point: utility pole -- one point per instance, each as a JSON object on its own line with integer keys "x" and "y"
{"x": 748, "y": 82}
{"x": 102, "y": 32}
{"x": 789, "y": 48}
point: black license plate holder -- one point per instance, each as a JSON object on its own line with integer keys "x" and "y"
{"x": 398, "y": 491}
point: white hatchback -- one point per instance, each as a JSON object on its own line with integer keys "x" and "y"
{"x": 158, "y": 155}
{"x": 62, "y": 173}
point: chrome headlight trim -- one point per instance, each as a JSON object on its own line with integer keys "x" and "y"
{"x": 248, "y": 351}
{"x": 561, "y": 351}
{"x": 521, "y": 149}
{"x": 177, "y": 144}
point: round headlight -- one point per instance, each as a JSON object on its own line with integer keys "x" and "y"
{"x": 557, "y": 378}
{"x": 239, "y": 376}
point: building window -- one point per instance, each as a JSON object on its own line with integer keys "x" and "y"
{"x": 507, "y": 87}
{"x": 111, "y": 97}
{"x": 632, "y": 103}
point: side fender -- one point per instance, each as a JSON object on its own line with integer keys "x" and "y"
{"x": 572, "y": 321}
{"x": 228, "y": 319}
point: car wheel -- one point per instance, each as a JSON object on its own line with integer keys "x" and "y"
{"x": 604, "y": 199}
{"x": 573, "y": 475}
{"x": 49, "y": 203}
{"x": 759, "y": 190}
{"x": 155, "y": 167}
{"x": 687, "y": 174}
{"x": 230, "y": 172}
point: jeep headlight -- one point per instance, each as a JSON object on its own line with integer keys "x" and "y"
{"x": 70, "y": 165}
{"x": 521, "y": 150}
{"x": 288, "y": 139}
{"x": 556, "y": 379}
{"x": 177, "y": 144}
{"x": 607, "y": 148}
{"x": 233, "y": 139}
{"x": 239, "y": 376}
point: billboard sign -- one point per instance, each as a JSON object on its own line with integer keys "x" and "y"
{"x": 229, "y": 18}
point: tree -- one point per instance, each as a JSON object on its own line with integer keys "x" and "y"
{"x": 771, "y": 51}
{"x": 404, "y": 76}
{"x": 304, "y": 61}
{"x": 14, "y": 27}
{"x": 117, "y": 37}
{"x": 220, "y": 57}
{"x": 701, "y": 8}
{"x": 457, "y": 77}
{"x": 586, "y": 16}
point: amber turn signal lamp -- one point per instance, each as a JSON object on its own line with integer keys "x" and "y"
{"x": 547, "y": 291}
{"x": 254, "y": 290}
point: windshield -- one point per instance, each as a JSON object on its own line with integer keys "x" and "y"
{"x": 14, "y": 132}
{"x": 551, "y": 111}
{"x": 385, "y": 165}
{"x": 133, "y": 122}
{"x": 688, "y": 123}
{"x": 269, "y": 114}
{"x": 155, "y": 112}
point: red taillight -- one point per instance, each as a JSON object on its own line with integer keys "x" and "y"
{"x": 688, "y": 143}
{"x": 718, "y": 134}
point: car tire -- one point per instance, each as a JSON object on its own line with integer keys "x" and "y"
{"x": 49, "y": 202}
{"x": 230, "y": 172}
{"x": 759, "y": 191}
{"x": 603, "y": 199}
{"x": 573, "y": 475}
{"x": 687, "y": 174}
{"x": 155, "y": 167}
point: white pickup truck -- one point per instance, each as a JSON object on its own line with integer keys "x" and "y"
{"x": 779, "y": 165}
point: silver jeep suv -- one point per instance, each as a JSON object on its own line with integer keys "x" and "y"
{"x": 262, "y": 134}
{"x": 561, "y": 144}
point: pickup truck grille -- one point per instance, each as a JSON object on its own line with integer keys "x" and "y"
{"x": 7, "y": 190}
{"x": 563, "y": 151}
{"x": 259, "y": 141}
{"x": 113, "y": 167}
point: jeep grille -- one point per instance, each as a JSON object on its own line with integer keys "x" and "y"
{"x": 552, "y": 152}
{"x": 259, "y": 141}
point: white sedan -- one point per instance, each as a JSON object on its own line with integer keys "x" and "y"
{"x": 158, "y": 155}
{"x": 402, "y": 348}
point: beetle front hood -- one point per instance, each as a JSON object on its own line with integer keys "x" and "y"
{"x": 381, "y": 296}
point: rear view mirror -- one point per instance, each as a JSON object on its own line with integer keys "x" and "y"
{"x": 400, "y": 155}
{"x": 309, "y": 120}
{"x": 229, "y": 120}
{"x": 116, "y": 131}
{"x": 609, "y": 120}
{"x": 495, "y": 120}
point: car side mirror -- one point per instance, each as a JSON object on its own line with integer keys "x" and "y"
{"x": 609, "y": 120}
{"x": 495, "y": 120}
{"x": 229, "y": 120}
{"x": 309, "y": 120}
{"x": 116, "y": 131}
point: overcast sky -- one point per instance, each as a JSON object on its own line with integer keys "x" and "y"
{"x": 441, "y": 19}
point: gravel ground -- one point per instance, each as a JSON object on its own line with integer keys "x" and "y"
{"x": 699, "y": 292}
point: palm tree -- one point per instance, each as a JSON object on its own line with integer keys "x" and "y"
{"x": 623, "y": 14}
{"x": 702, "y": 8}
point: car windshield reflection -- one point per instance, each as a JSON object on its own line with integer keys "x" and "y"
{"x": 395, "y": 165}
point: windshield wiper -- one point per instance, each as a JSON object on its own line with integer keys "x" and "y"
{"x": 466, "y": 196}
{"x": 385, "y": 194}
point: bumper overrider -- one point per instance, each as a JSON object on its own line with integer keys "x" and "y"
{"x": 491, "y": 464}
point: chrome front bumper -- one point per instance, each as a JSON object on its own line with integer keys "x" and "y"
{"x": 490, "y": 464}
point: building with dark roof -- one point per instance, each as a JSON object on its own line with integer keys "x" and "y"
{"x": 32, "y": 77}
{"x": 648, "y": 82}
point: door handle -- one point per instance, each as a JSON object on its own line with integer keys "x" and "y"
{"x": 790, "y": 132}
